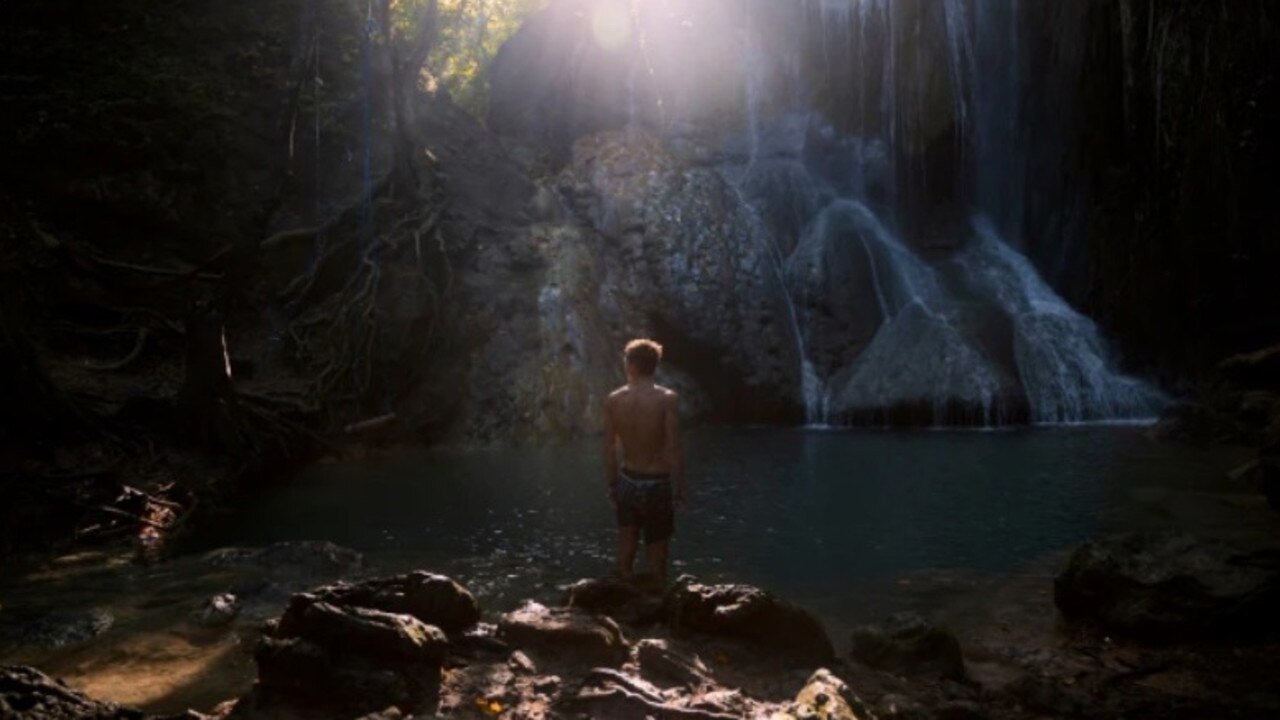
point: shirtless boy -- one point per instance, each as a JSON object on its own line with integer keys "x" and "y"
{"x": 643, "y": 417}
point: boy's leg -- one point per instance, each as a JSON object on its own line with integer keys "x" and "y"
{"x": 628, "y": 538}
{"x": 659, "y": 525}
{"x": 656, "y": 553}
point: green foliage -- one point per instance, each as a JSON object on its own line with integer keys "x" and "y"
{"x": 470, "y": 34}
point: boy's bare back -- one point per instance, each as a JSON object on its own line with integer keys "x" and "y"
{"x": 644, "y": 418}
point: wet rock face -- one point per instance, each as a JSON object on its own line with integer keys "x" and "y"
{"x": 683, "y": 258}
{"x": 749, "y": 613}
{"x": 28, "y": 693}
{"x": 1170, "y": 587}
{"x": 564, "y": 633}
{"x": 908, "y": 644}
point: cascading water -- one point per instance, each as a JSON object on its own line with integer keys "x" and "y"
{"x": 1062, "y": 362}
{"x": 973, "y": 336}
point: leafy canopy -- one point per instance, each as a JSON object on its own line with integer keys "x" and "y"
{"x": 468, "y": 37}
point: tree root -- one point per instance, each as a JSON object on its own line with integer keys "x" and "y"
{"x": 286, "y": 237}
{"x": 149, "y": 270}
{"x": 127, "y": 359}
{"x": 370, "y": 424}
{"x": 621, "y": 703}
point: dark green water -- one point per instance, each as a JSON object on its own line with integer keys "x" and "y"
{"x": 841, "y": 521}
{"x": 851, "y": 524}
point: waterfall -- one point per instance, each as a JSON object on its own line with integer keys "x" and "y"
{"x": 970, "y": 335}
{"x": 1062, "y": 362}
{"x": 960, "y": 57}
{"x": 995, "y": 86}
{"x": 919, "y": 354}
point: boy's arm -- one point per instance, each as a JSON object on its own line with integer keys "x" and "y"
{"x": 675, "y": 448}
{"x": 610, "y": 452}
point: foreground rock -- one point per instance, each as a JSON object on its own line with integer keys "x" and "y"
{"x": 907, "y": 644}
{"x": 749, "y": 613}
{"x": 332, "y": 661}
{"x": 433, "y": 599}
{"x": 564, "y": 634}
{"x": 28, "y": 693}
{"x": 362, "y": 647}
{"x": 826, "y": 697}
{"x": 629, "y": 603}
{"x": 1166, "y": 586}
{"x": 373, "y": 633}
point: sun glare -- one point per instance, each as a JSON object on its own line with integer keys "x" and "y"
{"x": 611, "y": 23}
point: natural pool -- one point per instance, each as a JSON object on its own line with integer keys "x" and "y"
{"x": 831, "y": 519}
{"x": 851, "y": 524}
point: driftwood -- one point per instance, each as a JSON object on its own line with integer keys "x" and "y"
{"x": 131, "y": 491}
{"x": 135, "y": 518}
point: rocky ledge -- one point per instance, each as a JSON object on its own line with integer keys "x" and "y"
{"x": 1144, "y": 640}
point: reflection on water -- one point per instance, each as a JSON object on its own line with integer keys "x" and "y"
{"x": 832, "y": 519}
{"x": 851, "y": 524}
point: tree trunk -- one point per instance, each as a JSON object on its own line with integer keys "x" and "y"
{"x": 207, "y": 402}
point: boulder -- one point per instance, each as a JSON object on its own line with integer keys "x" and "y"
{"x": 907, "y": 644}
{"x": 564, "y": 633}
{"x": 434, "y": 599}
{"x": 372, "y": 633}
{"x": 751, "y": 614}
{"x": 364, "y": 646}
{"x": 825, "y": 697}
{"x": 1169, "y": 586}
{"x": 30, "y": 694}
